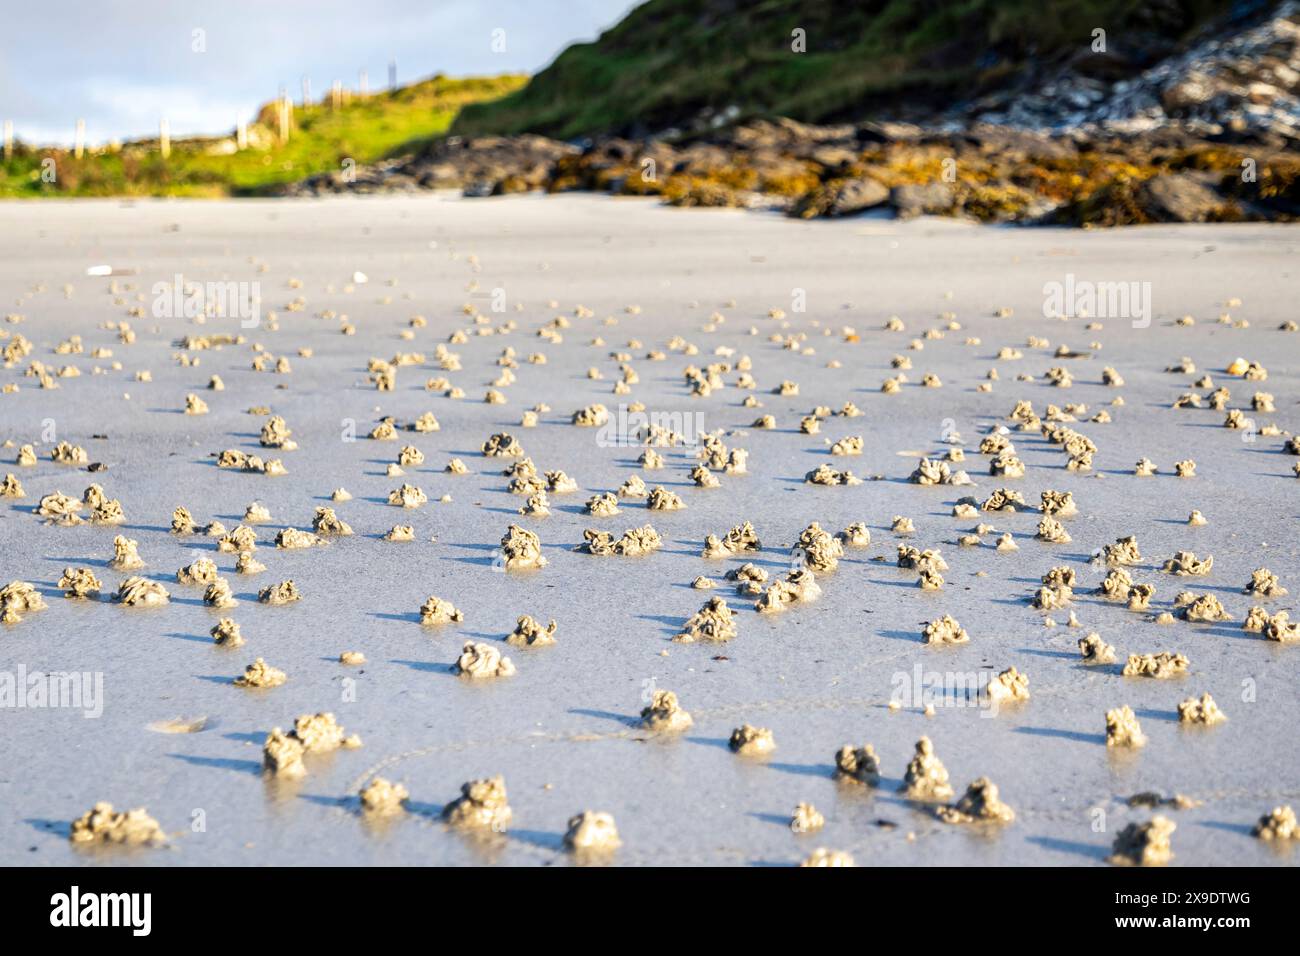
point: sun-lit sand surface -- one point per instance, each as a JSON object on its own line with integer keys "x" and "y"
{"x": 563, "y": 731}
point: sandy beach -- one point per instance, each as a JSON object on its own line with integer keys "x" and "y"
{"x": 564, "y": 730}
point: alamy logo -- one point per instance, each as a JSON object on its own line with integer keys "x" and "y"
{"x": 179, "y": 299}
{"x": 628, "y": 428}
{"x": 1082, "y": 298}
{"x": 73, "y": 690}
{"x": 922, "y": 688}
{"x": 103, "y": 909}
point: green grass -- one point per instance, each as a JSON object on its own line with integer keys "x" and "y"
{"x": 364, "y": 130}
{"x": 669, "y": 59}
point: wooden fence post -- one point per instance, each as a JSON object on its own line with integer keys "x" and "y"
{"x": 286, "y": 114}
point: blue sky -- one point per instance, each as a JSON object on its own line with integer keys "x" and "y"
{"x": 123, "y": 65}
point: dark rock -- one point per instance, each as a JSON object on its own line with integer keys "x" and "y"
{"x": 1178, "y": 197}
{"x": 1004, "y": 141}
{"x": 1190, "y": 90}
{"x": 926, "y": 199}
{"x": 833, "y": 157}
{"x": 887, "y": 132}
{"x": 1113, "y": 64}
{"x": 842, "y": 197}
{"x": 789, "y": 135}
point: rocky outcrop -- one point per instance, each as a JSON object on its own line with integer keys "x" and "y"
{"x": 486, "y": 166}
{"x": 1136, "y": 135}
{"x": 1235, "y": 82}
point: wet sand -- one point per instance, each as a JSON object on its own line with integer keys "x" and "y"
{"x": 563, "y": 730}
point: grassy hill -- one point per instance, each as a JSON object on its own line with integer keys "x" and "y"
{"x": 364, "y": 129}
{"x": 669, "y": 60}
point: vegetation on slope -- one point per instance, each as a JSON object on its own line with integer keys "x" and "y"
{"x": 677, "y": 63}
{"x": 365, "y": 130}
